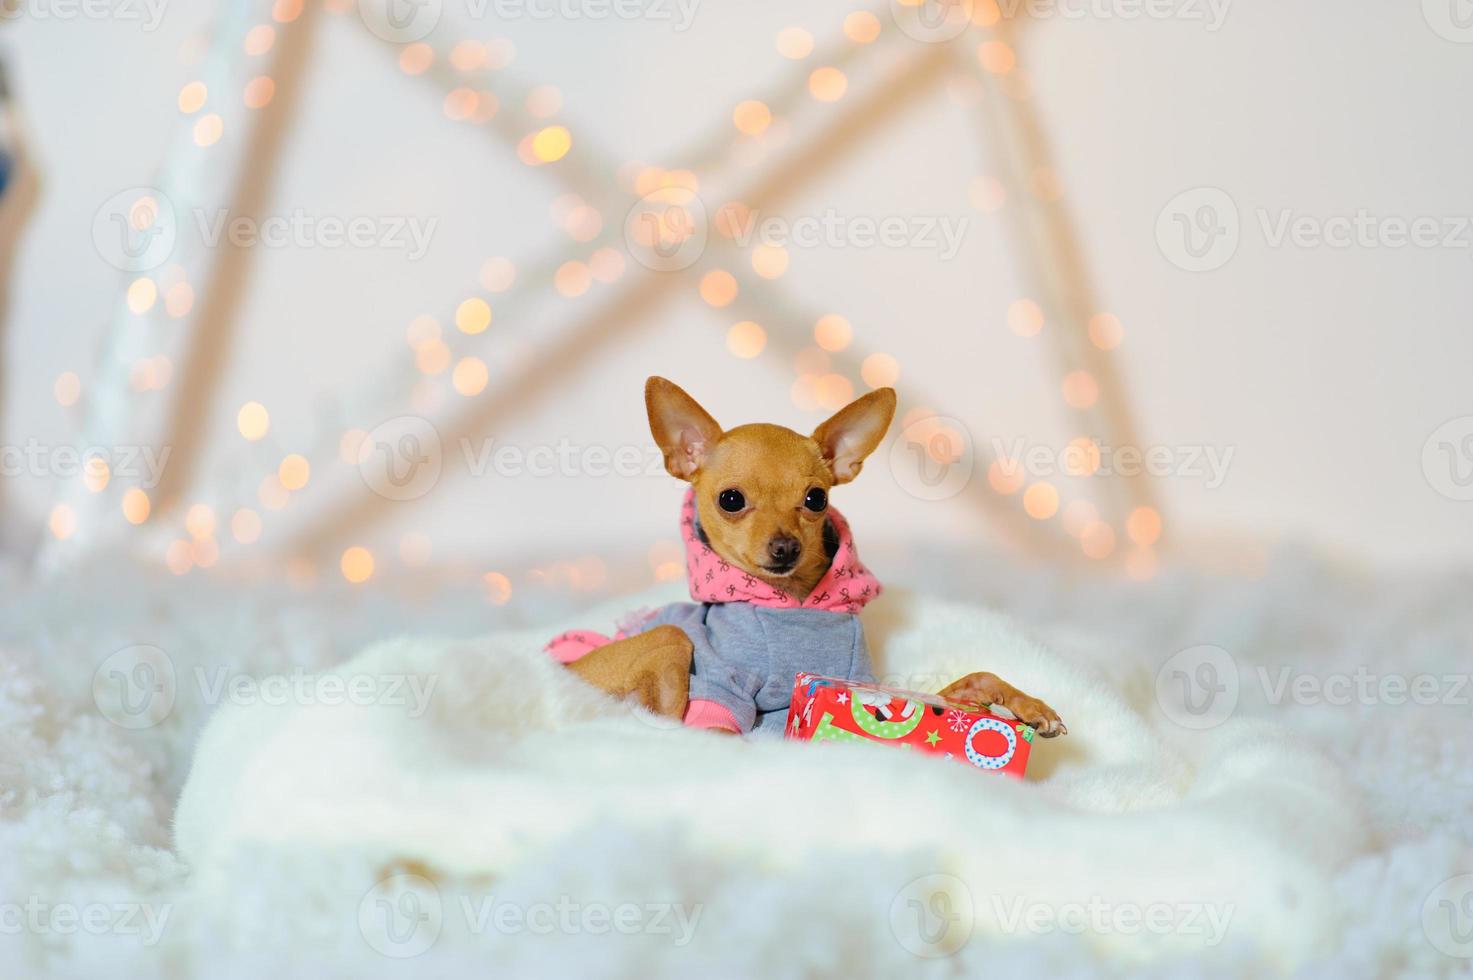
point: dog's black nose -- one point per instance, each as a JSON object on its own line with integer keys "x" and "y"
{"x": 784, "y": 550}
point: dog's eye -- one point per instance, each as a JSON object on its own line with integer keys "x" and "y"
{"x": 816, "y": 500}
{"x": 732, "y": 501}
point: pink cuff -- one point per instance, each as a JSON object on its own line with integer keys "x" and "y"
{"x": 700, "y": 713}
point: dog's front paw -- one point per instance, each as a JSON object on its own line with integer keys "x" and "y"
{"x": 989, "y": 689}
{"x": 1038, "y": 716}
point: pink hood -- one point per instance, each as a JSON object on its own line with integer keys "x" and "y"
{"x": 845, "y": 588}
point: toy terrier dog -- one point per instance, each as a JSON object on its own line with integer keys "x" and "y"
{"x": 773, "y": 570}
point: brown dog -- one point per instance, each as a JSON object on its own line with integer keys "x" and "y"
{"x": 761, "y": 498}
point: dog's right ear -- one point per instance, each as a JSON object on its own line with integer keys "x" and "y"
{"x": 683, "y": 430}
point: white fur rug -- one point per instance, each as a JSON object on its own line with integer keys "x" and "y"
{"x": 451, "y": 807}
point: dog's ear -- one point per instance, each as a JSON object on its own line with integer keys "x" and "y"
{"x": 683, "y": 430}
{"x": 854, "y": 432}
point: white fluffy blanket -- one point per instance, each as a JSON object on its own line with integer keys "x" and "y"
{"x": 481, "y": 808}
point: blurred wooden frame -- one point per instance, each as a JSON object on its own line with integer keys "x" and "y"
{"x": 1049, "y": 247}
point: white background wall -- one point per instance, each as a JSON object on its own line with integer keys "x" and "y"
{"x": 1324, "y": 370}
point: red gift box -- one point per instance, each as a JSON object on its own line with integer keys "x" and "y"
{"x": 830, "y": 709}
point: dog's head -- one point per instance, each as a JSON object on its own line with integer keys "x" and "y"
{"x": 762, "y": 490}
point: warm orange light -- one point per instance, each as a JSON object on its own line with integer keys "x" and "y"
{"x": 473, "y": 316}
{"x": 253, "y": 421}
{"x": 1041, "y": 501}
{"x": 751, "y": 117}
{"x": 746, "y": 339}
{"x": 294, "y": 472}
{"x": 179, "y": 300}
{"x": 67, "y": 389}
{"x": 718, "y": 288}
{"x": 1025, "y": 317}
{"x": 1105, "y": 331}
{"x": 192, "y": 97}
{"x": 416, "y": 58}
{"x": 1081, "y": 457}
{"x": 470, "y": 376}
{"x": 258, "y": 40}
{"x": 498, "y": 587}
{"x": 572, "y": 278}
{"x": 880, "y": 370}
{"x": 861, "y": 27}
{"x": 208, "y": 130}
{"x": 606, "y": 264}
{"x": 423, "y": 329}
{"x": 832, "y": 332}
{"x": 96, "y": 474}
{"x": 769, "y": 261}
{"x": 1080, "y": 389}
{"x": 143, "y": 292}
{"x": 1144, "y": 526}
{"x": 136, "y": 506}
{"x": 552, "y": 143}
{"x": 259, "y": 91}
{"x": 795, "y": 43}
{"x": 827, "y": 84}
{"x": 199, "y": 521}
{"x": 833, "y": 391}
{"x": 997, "y": 57}
{"x": 63, "y": 522}
{"x": 245, "y": 525}
{"x": 357, "y": 564}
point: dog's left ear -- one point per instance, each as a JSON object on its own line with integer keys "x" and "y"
{"x": 854, "y": 432}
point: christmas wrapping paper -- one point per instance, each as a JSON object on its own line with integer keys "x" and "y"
{"x": 830, "y": 709}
